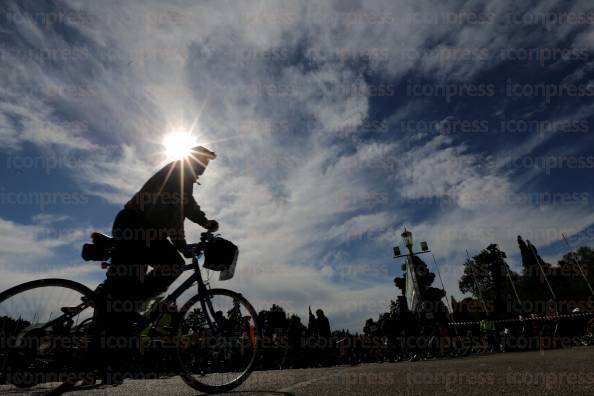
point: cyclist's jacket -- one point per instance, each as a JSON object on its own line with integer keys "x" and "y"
{"x": 166, "y": 200}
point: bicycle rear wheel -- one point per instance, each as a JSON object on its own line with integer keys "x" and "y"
{"x": 218, "y": 341}
{"x": 40, "y": 346}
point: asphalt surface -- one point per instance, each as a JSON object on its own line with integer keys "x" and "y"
{"x": 554, "y": 372}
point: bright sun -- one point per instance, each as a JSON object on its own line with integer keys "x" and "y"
{"x": 178, "y": 145}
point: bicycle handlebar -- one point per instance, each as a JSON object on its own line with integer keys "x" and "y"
{"x": 204, "y": 237}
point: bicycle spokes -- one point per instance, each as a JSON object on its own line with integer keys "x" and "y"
{"x": 38, "y": 327}
{"x": 219, "y": 336}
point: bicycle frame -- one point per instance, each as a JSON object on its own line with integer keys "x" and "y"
{"x": 187, "y": 284}
{"x": 196, "y": 277}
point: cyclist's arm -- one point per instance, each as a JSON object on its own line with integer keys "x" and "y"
{"x": 194, "y": 213}
{"x": 178, "y": 239}
{"x": 179, "y": 243}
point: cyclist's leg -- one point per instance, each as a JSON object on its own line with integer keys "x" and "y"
{"x": 167, "y": 266}
{"x": 127, "y": 273}
{"x": 120, "y": 293}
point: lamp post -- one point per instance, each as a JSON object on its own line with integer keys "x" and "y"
{"x": 412, "y": 292}
{"x": 407, "y": 238}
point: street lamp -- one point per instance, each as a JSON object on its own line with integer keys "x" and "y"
{"x": 412, "y": 292}
{"x": 408, "y": 240}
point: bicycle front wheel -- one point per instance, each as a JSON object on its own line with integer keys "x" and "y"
{"x": 218, "y": 340}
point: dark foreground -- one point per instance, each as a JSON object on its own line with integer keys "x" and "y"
{"x": 554, "y": 372}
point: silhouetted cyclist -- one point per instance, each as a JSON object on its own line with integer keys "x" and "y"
{"x": 149, "y": 231}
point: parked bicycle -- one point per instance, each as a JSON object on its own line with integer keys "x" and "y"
{"x": 45, "y": 328}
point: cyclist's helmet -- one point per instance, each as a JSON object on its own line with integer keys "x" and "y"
{"x": 199, "y": 158}
{"x": 200, "y": 151}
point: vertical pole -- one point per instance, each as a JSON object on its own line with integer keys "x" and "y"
{"x": 441, "y": 280}
{"x": 478, "y": 289}
{"x": 512, "y": 283}
{"x": 542, "y": 270}
{"x": 448, "y": 304}
{"x": 578, "y": 264}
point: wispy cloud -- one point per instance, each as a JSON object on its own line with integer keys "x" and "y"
{"x": 276, "y": 90}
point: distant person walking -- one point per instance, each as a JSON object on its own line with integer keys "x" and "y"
{"x": 325, "y": 339}
{"x": 323, "y": 324}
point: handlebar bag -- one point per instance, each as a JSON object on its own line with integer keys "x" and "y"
{"x": 220, "y": 254}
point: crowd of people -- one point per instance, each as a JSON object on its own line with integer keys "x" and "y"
{"x": 404, "y": 335}
{"x": 288, "y": 343}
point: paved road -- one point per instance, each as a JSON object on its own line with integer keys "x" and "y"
{"x": 557, "y": 372}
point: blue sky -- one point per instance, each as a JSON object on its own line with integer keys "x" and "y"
{"x": 336, "y": 123}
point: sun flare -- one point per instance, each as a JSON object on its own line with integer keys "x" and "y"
{"x": 178, "y": 145}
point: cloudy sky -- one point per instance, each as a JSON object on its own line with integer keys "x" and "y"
{"x": 336, "y": 124}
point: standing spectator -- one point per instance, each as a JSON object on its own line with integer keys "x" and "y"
{"x": 293, "y": 351}
{"x": 488, "y": 328}
{"x": 323, "y": 324}
{"x": 325, "y": 341}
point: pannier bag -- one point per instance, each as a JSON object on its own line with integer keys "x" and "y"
{"x": 221, "y": 255}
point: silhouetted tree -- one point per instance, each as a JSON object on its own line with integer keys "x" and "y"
{"x": 532, "y": 263}
{"x": 195, "y": 320}
{"x": 485, "y": 277}
{"x": 533, "y": 284}
{"x": 312, "y": 325}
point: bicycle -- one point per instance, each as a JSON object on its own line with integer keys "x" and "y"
{"x": 43, "y": 346}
